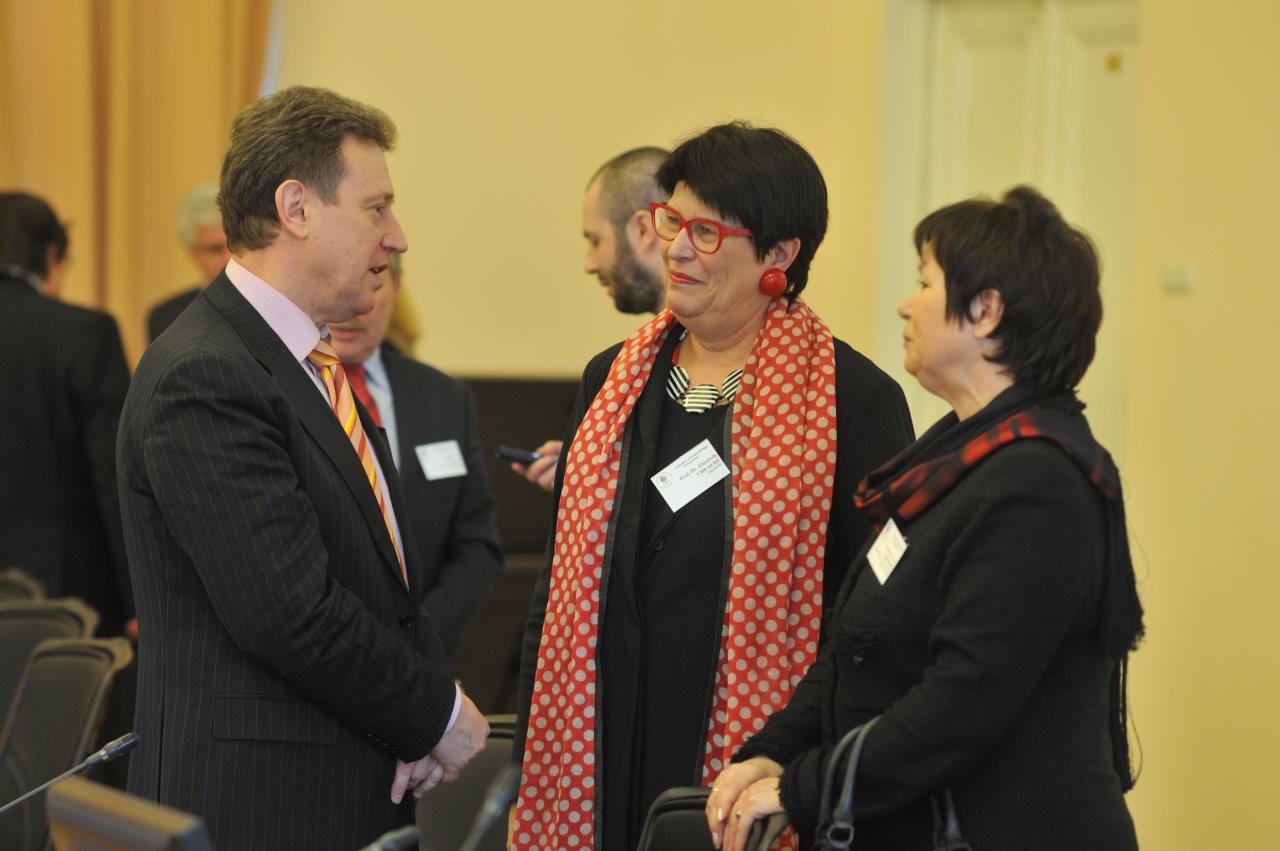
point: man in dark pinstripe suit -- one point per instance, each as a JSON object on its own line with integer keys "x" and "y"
{"x": 291, "y": 688}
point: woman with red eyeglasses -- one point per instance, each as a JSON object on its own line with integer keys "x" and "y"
{"x": 704, "y": 511}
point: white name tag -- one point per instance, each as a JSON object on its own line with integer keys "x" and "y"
{"x": 681, "y": 481}
{"x": 887, "y": 551}
{"x": 442, "y": 460}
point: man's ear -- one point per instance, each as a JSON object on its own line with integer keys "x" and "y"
{"x": 641, "y": 233}
{"x": 292, "y": 198}
{"x": 985, "y": 312}
{"x": 782, "y": 255}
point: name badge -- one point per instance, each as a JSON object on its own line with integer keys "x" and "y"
{"x": 441, "y": 460}
{"x": 887, "y": 551}
{"x": 681, "y": 481}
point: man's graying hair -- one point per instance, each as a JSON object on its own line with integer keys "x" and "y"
{"x": 295, "y": 134}
{"x": 627, "y": 184}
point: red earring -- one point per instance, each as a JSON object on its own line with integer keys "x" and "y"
{"x": 773, "y": 283}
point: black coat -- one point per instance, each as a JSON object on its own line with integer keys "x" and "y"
{"x": 980, "y": 651}
{"x": 283, "y": 663}
{"x": 162, "y": 315}
{"x": 660, "y": 629}
{"x": 452, "y": 519}
{"x": 65, "y": 379}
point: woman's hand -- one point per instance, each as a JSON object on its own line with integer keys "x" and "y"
{"x": 723, "y": 804}
{"x": 760, "y": 799}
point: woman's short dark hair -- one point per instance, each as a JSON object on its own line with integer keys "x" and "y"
{"x": 762, "y": 178}
{"x": 28, "y": 228}
{"x": 1045, "y": 270}
{"x": 297, "y": 134}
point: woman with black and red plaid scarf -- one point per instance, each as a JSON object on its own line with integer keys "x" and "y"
{"x": 989, "y": 621}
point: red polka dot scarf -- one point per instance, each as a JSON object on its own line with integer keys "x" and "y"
{"x": 782, "y": 462}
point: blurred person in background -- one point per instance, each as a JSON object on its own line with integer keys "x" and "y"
{"x": 65, "y": 382}
{"x": 989, "y": 625}
{"x": 704, "y": 511}
{"x": 199, "y": 225}
{"x": 430, "y": 422}
{"x": 622, "y": 252}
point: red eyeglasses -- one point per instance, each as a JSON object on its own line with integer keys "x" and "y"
{"x": 705, "y": 235}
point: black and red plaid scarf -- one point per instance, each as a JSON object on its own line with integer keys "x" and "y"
{"x": 906, "y": 486}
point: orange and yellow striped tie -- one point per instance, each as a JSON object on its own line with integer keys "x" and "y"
{"x": 344, "y": 407}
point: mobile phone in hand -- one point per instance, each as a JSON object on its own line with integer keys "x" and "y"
{"x": 520, "y": 456}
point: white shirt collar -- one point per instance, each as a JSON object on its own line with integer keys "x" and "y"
{"x": 375, "y": 369}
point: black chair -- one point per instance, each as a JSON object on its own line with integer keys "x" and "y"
{"x": 677, "y": 820}
{"x": 15, "y": 584}
{"x": 53, "y": 725}
{"x": 85, "y": 815}
{"x": 445, "y": 814}
{"x": 24, "y": 624}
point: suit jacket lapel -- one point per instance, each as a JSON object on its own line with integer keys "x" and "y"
{"x": 377, "y": 437}
{"x": 312, "y": 410}
{"x": 411, "y": 412}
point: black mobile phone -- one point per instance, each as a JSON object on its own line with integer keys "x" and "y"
{"x": 520, "y": 456}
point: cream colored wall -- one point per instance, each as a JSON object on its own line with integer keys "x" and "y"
{"x": 1203, "y": 410}
{"x": 506, "y": 109}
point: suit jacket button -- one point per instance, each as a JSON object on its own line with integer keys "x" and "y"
{"x": 406, "y": 620}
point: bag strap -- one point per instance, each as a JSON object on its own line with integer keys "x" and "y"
{"x": 946, "y": 826}
{"x": 829, "y": 777}
{"x": 836, "y": 825}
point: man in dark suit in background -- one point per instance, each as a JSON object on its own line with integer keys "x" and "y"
{"x": 199, "y": 226}
{"x": 622, "y": 252}
{"x": 65, "y": 381}
{"x": 290, "y": 690}
{"x": 430, "y": 421}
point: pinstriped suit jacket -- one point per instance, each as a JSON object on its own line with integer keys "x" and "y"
{"x": 283, "y": 663}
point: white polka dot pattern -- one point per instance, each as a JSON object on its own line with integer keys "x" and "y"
{"x": 782, "y": 459}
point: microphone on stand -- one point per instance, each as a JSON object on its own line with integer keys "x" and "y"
{"x": 109, "y": 751}
{"x": 502, "y": 791}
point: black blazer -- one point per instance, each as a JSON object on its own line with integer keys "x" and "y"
{"x": 980, "y": 651}
{"x": 283, "y": 663}
{"x": 452, "y": 519}
{"x": 65, "y": 379}
{"x": 162, "y": 315}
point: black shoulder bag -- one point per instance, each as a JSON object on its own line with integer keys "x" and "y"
{"x": 835, "y": 811}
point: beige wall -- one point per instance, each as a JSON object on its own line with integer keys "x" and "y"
{"x": 506, "y": 110}
{"x": 1203, "y": 409}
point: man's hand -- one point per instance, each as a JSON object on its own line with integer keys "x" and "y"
{"x": 420, "y": 776}
{"x": 463, "y": 742}
{"x": 543, "y": 471}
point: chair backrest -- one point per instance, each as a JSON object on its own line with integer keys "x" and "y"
{"x": 16, "y": 584}
{"x": 677, "y": 819}
{"x": 86, "y": 815}
{"x": 24, "y": 624}
{"x": 445, "y": 814}
{"x": 53, "y": 725}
